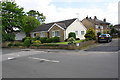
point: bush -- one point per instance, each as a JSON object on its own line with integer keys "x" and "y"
{"x": 16, "y": 44}
{"x": 99, "y": 33}
{"x": 43, "y": 39}
{"x": 37, "y": 38}
{"x": 53, "y": 39}
{"x": 27, "y": 42}
{"x": 71, "y": 40}
{"x": 37, "y": 42}
{"x": 49, "y": 40}
{"x": 23, "y": 39}
{"x": 8, "y": 37}
{"x": 66, "y": 40}
{"x": 56, "y": 39}
{"x": 72, "y": 34}
{"x": 90, "y": 34}
{"x": 77, "y": 38}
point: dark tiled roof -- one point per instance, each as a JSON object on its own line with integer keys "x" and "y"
{"x": 45, "y": 27}
{"x": 97, "y": 21}
{"x": 117, "y": 25}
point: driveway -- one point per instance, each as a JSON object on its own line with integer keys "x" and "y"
{"x": 112, "y": 46}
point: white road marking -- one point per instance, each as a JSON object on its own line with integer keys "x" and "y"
{"x": 54, "y": 61}
{"x": 11, "y": 58}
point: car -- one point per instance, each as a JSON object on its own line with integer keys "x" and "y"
{"x": 105, "y": 38}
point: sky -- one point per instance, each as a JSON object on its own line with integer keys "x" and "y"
{"x": 58, "y": 10}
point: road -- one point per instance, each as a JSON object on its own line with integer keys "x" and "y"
{"x": 45, "y": 63}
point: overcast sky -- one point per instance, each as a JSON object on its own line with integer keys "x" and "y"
{"x": 57, "y": 10}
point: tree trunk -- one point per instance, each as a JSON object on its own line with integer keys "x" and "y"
{"x": 28, "y": 35}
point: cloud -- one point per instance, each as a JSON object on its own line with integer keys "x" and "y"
{"x": 53, "y": 13}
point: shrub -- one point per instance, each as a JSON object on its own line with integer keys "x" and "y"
{"x": 72, "y": 34}
{"x": 37, "y": 42}
{"x": 8, "y": 37}
{"x": 43, "y": 39}
{"x": 56, "y": 39}
{"x": 27, "y": 42}
{"x": 71, "y": 40}
{"x": 49, "y": 40}
{"x": 90, "y": 34}
{"x": 66, "y": 40}
{"x": 53, "y": 39}
{"x": 37, "y": 38}
{"x": 77, "y": 38}
{"x": 99, "y": 33}
{"x": 16, "y": 44}
{"x": 23, "y": 39}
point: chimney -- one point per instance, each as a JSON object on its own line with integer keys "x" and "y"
{"x": 87, "y": 17}
{"x": 104, "y": 20}
{"x": 95, "y": 17}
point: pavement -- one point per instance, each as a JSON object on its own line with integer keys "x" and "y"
{"x": 48, "y": 63}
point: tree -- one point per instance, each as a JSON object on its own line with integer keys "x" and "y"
{"x": 11, "y": 16}
{"x": 28, "y": 24}
{"x": 37, "y": 15}
{"x": 90, "y": 34}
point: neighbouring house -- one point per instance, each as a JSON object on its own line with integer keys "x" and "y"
{"x": 96, "y": 24}
{"x": 117, "y": 28}
{"x": 19, "y": 35}
{"x": 60, "y": 29}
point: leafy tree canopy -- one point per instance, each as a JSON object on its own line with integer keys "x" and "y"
{"x": 37, "y": 15}
{"x": 28, "y": 24}
{"x": 11, "y": 16}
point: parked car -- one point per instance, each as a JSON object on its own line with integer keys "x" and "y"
{"x": 105, "y": 38}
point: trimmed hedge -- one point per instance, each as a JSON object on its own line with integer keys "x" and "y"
{"x": 43, "y": 39}
{"x": 16, "y": 44}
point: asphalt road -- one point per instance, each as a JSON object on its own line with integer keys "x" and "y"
{"x": 60, "y": 64}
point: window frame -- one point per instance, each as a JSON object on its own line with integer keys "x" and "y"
{"x": 54, "y": 33}
{"x": 83, "y": 32}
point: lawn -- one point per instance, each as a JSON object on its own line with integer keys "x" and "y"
{"x": 77, "y": 41}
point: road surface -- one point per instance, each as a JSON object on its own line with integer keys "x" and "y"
{"x": 45, "y": 63}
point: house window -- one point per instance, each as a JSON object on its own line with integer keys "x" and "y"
{"x": 82, "y": 32}
{"x": 42, "y": 34}
{"x": 96, "y": 26}
{"x": 76, "y": 32}
{"x": 36, "y": 34}
{"x": 55, "y": 33}
{"x": 101, "y": 27}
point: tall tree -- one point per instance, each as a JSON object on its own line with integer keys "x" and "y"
{"x": 11, "y": 16}
{"x": 28, "y": 24}
{"x": 37, "y": 15}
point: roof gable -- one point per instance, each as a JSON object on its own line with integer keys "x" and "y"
{"x": 45, "y": 27}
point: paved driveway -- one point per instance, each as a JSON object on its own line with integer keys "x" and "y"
{"x": 112, "y": 46}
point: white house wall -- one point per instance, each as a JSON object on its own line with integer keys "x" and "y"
{"x": 20, "y": 36}
{"x": 76, "y": 26}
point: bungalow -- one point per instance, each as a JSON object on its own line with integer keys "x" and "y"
{"x": 60, "y": 29}
{"x": 96, "y": 24}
